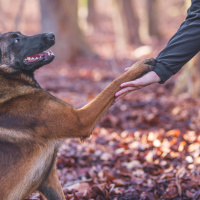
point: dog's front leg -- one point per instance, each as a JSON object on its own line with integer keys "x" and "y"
{"x": 66, "y": 122}
{"x": 92, "y": 112}
{"x": 51, "y": 188}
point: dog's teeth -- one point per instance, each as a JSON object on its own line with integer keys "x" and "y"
{"x": 28, "y": 58}
{"x": 36, "y": 58}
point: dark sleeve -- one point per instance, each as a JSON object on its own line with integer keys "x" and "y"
{"x": 184, "y": 45}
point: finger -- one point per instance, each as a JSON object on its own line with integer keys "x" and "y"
{"x": 124, "y": 90}
{"x": 117, "y": 99}
{"x": 121, "y": 96}
{"x": 126, "y": 69}
{"x": 135, "y": 83}
{"x": 127, "y": 84}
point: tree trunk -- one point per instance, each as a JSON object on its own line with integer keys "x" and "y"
{"x": 188, "y": 80}
{"x": 61, "y": 17}
{"x": 129, "y": 20}
{"x": 92, "y": 13}
{"x": 153, "y": 17}
{"x": 19, "y": 15}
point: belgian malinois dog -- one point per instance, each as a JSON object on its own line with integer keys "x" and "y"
{"x": 32, "y": 121}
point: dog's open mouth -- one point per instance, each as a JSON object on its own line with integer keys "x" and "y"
{"x": 46, "y": 55}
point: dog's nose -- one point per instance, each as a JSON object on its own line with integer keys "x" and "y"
{"x": 50, "y": 36}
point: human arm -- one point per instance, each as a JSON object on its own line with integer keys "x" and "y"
{"x": 184, "y": 45}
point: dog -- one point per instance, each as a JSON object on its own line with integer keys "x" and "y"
{"x": 32, "y": 121}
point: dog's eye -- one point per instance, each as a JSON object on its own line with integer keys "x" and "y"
{"x": 17, "y": 40}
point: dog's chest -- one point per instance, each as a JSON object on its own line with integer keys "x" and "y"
{"x": 30, "y": 171}
{"x": 38, "y": 168}
{"x": 43, "y": 162}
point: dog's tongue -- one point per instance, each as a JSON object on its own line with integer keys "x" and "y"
{"x": 42, "y": 54}
{"x": 38, "y": 55}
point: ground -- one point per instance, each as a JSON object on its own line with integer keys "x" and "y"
{"x": 148, "y": 145}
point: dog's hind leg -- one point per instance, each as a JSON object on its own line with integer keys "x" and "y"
{"x": 51, "y": 188}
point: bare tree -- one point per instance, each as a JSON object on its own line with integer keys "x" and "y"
{"x": 126, "y": 22}
{"x": 19, "y": 14}
{"x": 153, "y": 17}
{"x": 188, "y": 80}
{"x": 92, "y": 13}
{"x": 61, "y": 17}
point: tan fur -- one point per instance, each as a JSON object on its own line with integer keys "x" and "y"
{"x": 33, "y": 121}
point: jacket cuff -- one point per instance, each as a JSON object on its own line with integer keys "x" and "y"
{"x": 162, "y": 71}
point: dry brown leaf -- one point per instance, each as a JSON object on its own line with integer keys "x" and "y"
{"x": 170, "y": 193}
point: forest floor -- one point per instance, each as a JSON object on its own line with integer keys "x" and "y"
{"x": 146, "y": 147}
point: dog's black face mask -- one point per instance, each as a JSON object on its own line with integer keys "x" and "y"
{"x": 25, "y": 53}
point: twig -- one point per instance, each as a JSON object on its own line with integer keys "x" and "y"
{"x": 166, "y": 180}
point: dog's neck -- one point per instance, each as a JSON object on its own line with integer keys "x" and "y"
{"x": 25, "y": 76}
{"x": 15, "y": 84}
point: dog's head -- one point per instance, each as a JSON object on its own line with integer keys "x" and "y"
{"x": 21, "y": 53}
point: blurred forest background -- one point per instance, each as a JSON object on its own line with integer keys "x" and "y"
{"x": 148, "y": 145}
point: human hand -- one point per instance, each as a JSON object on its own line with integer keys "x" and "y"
{"x": 145, "y": 80}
